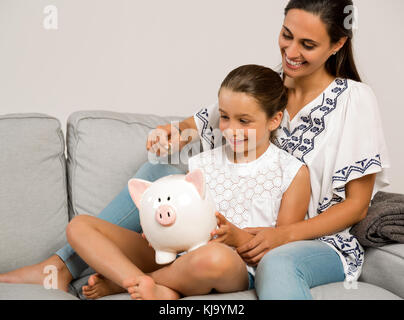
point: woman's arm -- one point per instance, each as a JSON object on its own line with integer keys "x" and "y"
{"x": 335, "y": 219}
{"x": 338, "y": 217}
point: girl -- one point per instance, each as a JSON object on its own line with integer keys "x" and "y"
{"x": 331, "y": 122}
{"x": 248, "y": 192}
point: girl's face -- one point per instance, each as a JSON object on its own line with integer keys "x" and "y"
{"x": 244, "y": 124}
{"x": 305, "y": 44}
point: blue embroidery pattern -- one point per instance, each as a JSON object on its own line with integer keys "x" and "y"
{"x": 351, "y": 250}
{"x": 301, "y": 141}
{"x": 328, "y": 203}
{"x": 207, "y": 130}
{"x": 360, "y": 166}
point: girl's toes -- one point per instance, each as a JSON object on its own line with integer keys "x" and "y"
{"x": 132, "y": 289}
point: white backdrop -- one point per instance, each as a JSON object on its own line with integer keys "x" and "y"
{"x": 169, "y": 57}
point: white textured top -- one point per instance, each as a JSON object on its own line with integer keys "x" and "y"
{"x": 247, "y": 194}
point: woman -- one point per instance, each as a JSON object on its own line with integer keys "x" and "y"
{"x": 331, "y": 123}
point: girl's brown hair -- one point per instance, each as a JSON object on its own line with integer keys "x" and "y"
{"x": 262, "y": 83}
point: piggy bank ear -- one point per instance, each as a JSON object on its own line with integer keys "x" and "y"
{"x": 136, "y": 189}
{"x": 197, "y": 178}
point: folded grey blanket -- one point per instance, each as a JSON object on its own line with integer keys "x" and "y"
{"x": 384, "y": 223}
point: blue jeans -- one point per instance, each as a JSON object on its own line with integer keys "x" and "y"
{"x": 289, "y": 272}
{"x": 120, "y": 211}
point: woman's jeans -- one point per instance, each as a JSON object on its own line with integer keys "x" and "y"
{"x": 286, "y": 272}
{"x": 289, "y": 272}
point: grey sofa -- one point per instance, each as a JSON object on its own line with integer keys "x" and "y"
{"x": 44, "y": 182}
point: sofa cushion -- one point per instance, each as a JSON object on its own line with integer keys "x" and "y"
{"x": 352, "y": 291}
{"x": 384, "y": 266}
{"x": 32, "y": 292}
{"x": 332, "y": 291}
{"x": 104, "y": 150}
{"x": 33, "y": 196}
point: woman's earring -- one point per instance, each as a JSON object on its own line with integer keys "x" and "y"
{"x": 334, "y": 53}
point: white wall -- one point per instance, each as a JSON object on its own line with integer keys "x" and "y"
{"x": 169, "y": 57}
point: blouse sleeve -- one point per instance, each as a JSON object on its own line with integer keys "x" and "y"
{"x": 207, "y": 124}
{"x": 362, "y": 148}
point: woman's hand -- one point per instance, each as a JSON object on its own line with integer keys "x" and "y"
{"x": 265, "y": 239}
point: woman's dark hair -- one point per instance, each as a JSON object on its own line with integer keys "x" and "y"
{"x": 334, "y": 14}
{"x": 261, "y": 83}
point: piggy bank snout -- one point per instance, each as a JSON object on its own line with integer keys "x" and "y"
{"x": 165, "y": 215}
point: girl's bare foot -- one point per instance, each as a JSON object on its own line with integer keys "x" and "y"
{"x": 144, "y": 288}
{"x": 99, "y": 286}
{"x": 41, "y": 274}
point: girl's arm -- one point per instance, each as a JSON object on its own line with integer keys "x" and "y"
{"x": 295, "y": 202}
{"x": 296, "y": 199}
{"x": 188, "y": 123}
{"x": 293, "y": 209}
{"x": 163, "y": 135}
{"x": 337, "y": 218}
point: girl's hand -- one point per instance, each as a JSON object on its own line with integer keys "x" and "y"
{"x": 228, "y": 233}
{"x": 265, "y": 240}
{"x": 170, "y": 138}
{"x": 159, "y": 140}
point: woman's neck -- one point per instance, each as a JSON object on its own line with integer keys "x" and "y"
{"x": 307, "y": 85}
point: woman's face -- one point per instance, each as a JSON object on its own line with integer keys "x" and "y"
{"x": 244, "y": 124}
{"x": 304, "y": 43}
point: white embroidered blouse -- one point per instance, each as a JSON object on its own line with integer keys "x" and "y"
{"x": 339, "y": 137}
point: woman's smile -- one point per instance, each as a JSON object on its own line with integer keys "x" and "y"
{"x": 294, "y": 65}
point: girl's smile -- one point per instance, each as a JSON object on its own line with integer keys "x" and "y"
{"x": 244, "y": 124}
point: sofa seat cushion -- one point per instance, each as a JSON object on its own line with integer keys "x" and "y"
{"x": 332, "y": 291}
{"x": 33, "y": 189}
{"x": 352, "y": 291}
{"x": 384, "y": 266}
{"x": 32, "y": 292}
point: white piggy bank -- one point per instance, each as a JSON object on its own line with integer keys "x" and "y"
{"x": 177, "y": 213}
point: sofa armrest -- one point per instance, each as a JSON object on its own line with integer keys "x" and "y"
{"x": 384, "y": 267}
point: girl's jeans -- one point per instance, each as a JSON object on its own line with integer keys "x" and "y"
{"x": 286, "y": 272}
